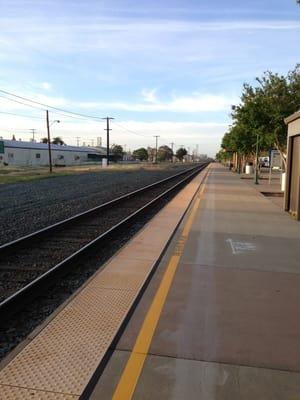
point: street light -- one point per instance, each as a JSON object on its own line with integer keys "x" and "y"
{"x": 53, "y": 122}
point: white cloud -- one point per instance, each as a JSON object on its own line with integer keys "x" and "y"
{"x": 149, "y": 95}
{"x": 197, "y": 102}
{"x": 86, "y": 35}
{"x": 45, "y": 85}
{"x": 190, "y": 134}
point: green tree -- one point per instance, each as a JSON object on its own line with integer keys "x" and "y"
{"x": 140, "y": 154}
{"x": 164, "y": 153}
{"x": 223, "y": 155}
{"x": 57, "y": 140}
{"x": 44, "y": 140}
{"x": 261, "y": 113}
{"x": 180, "y": 153}
{"x": 117, "y": 151}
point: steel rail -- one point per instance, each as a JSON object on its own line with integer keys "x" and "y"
{"x": 17, "y": 300}
{"x": 12, "y": 245}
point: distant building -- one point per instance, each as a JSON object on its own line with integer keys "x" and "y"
{"x": 17, "y": 152}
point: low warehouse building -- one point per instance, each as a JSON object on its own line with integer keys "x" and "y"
{"x": 292, "y": 189}
{"x": 17, "y": 152}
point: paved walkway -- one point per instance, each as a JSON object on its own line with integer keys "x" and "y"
{"x": 230, "y": 325}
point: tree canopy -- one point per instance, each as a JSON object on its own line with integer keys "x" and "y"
{"x": 164, "y": 153}
{"x": 261, "y": 113}
{"x": 57, "y": 140}
{"x": 180, "y": 153}
{"x": 140, "y": 154}
{"x": 117, "y": 151}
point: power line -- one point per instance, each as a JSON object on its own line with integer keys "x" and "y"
{"x": 24, "y": 104}
{"x": 41, "y": 109}
{"x": 20, "y": 115}
{"x": 59, "y": 111}
{"x": 129, "y": 130}
{"x": 48, "y": 106}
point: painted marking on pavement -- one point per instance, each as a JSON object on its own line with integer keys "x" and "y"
{"x": 134, "y": 366}
{"x": 238, "y": 247}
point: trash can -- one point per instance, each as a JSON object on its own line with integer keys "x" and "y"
{"x": 249, "y": 169}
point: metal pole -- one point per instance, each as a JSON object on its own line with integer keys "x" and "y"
{"x": 270, "y": 166}
{"x": 156, "y": 145}
{"x": 107, "y": 137}
{"x": 256, "y": 163}
{"x": 107, "y": 140}
{"x": 49, "y": 143}
{"x": 172, "y": 147}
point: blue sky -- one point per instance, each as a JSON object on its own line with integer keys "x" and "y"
{"x": 168, "y": 68}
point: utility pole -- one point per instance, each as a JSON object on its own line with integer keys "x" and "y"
{"x": 156, "y": 145}
{"x": 77, "y": 139}
{"x": 33, "y": 132}
{"x": 49, "y": 143}
{"x": 172, "y": 147}
{"x": 107, "y": 129}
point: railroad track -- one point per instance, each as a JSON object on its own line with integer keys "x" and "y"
{"x": 36, "y": 261}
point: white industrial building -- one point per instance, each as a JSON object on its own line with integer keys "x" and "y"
{"x": 17, "y": 152}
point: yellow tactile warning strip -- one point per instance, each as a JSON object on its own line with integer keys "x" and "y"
{"x": 128, "y": 381}
{"x": 61, "y": 360}
{"x": 18, "y": 393}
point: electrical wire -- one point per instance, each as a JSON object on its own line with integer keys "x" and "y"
{"x": 129, "y": 130}
{"x": 40, "y": 109}
{"x": 48, "y": 106}
{"x": 20, "y": 115}
{"x": 24, "y": 104}
{"x": 59, "y": 111}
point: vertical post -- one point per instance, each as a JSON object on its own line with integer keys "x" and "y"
{"x": 107, "y": 129}
{"x": 33, "y": 132}
{"x": 107, "y": 140}
{"x": 270, "y": 166}
{"x": 49, "y": 142}
{"x": 256, "y": 162}
{"x": 172, "y": 146}
{"x": 156, "y": 146}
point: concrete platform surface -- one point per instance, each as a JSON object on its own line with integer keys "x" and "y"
{"x": 230, "y": 324}
{"x": 61, "y": 358}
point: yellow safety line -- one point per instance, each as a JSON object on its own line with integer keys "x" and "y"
{"x": 134, "y": 366}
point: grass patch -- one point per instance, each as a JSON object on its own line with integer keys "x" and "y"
{"x": 9, "y": 179}
{"x": 12, "y": 175}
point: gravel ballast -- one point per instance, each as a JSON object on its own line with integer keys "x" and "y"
{"x": 27, "y": 207}
{"x": 18, "y": 326}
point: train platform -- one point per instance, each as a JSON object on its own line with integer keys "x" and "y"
{"x": 203, "y": 303}
{"x": 220, "y": 318}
